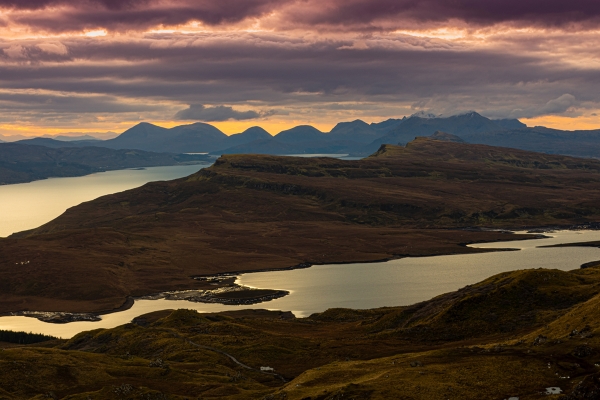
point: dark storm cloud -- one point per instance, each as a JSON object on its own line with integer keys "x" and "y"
{"x": 68, "y": 15}
{"x": 41, "y": 4}
{"x": 133, "y": 14}
{"x": 488, "y": 12}
{"x": 199, "y": 112}
{"x": 279, "y": 71}
{"x": 75, "y": 104}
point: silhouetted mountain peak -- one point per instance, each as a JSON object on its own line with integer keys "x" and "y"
{"x": 143, "y": 129}
{"x": 256, "y": 132}
{"x": 196, "y": 137}
{"x": 386, "y": 125}
{"x": 346, "y": 126}
{"x": 351, "y": 137}
{"x": 510, "y": 123}
{"x": 142, "y": 124}
{"x": 461, "y": 125}
{"x": 300, "y": 133}
{"x": 250, "y": 135}
{"x": 424, "y": 115}
{"x": 357, "y": 130}
{"x": 468, "y": 114}
{"x": 197, "y": 127}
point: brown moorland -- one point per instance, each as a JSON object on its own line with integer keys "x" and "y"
{"x": 251, "y": 212}
{"x": 514, "y": 334}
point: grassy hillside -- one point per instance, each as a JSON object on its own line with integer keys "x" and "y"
{"x": 514, "y": 334}
{"x": 251, "y": 212}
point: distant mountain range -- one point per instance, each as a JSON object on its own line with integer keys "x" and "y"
{"x": 355, "y": 138}
{"x": 66, "y": 137}
{"x": 25, "y": 163}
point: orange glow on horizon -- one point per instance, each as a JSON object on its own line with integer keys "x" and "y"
{"x": 227, "y": 127}
{"x": 564, "y": 123}
{"x": 233, "y": 127}
{"x": 272, "y": 126}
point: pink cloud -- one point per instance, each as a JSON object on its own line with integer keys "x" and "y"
{"x": 64, "y": 15}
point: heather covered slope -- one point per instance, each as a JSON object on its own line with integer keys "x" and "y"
{"x": 514, "y": 334}
{"x": 251, "y": 212}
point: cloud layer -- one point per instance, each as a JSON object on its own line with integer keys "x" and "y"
{"x": 62, "y": 15}
{"x": 100, "y": 62}
{"x": 199, "y": 112}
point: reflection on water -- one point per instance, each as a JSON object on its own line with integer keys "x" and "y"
{"x": 29, "y": 205}
{"x": 363, "y": 285}
{"x": 411, "y": 280}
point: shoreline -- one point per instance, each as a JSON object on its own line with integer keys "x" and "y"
{"x": 102, "y": 170}
{"x": 59, "y": 317}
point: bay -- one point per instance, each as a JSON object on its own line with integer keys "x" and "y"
{"x": 362, "y": 285}
{"x": 28, "y": 205}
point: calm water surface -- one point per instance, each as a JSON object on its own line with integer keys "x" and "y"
{"x": 363, "y": 285}
{"x": 29, "y": 205}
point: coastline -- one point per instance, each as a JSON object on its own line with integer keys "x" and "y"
{"x": 99, "y": 170}
{"x": 208, "y": 295}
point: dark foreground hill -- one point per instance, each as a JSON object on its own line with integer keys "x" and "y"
{"x": 250, "y": 212}
{"x": 514, "y": 335}
{"x": 25, "y": 163}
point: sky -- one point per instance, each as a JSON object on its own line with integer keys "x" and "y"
{"x": 104, "y": 65}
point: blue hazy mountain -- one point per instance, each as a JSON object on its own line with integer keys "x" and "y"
{"x": 56, "y": 143}
{"x": 356, "y": 131}
{"x": 353, "y": 137}
{"x": 24, "y": 163}
{"x": 193, "y": 138}
{"x": 299, "y": 134}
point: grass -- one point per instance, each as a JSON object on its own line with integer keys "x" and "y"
{"x": 250, "y": 212}
{"x": 456, "y": 352}
{"x": 511, "y": 335}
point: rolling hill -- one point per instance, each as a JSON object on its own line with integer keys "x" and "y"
{"x": 513, "y": 335}
{"x": 250, "y": 212}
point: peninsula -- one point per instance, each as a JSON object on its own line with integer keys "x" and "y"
{"x": 251, "y": 212}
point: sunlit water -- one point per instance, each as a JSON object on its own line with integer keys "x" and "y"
{"x": 363, "y": 285}
{"x": 29, "y": 205}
